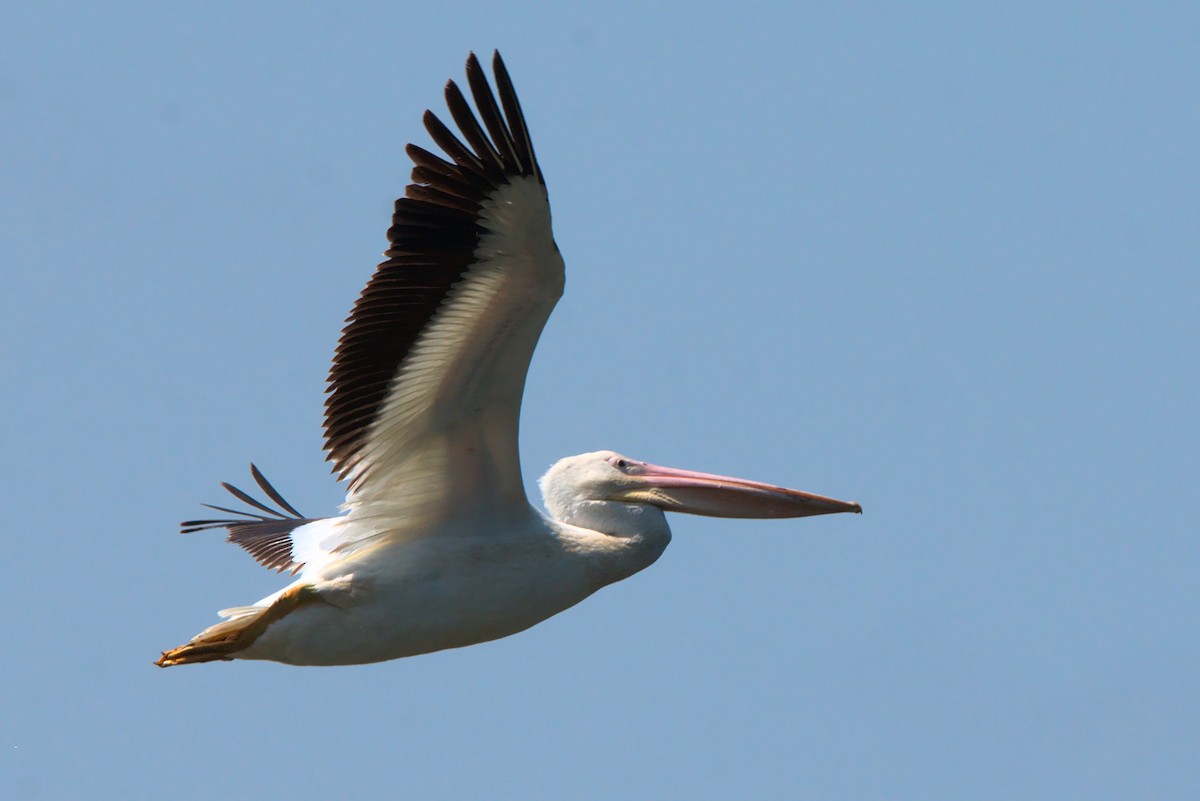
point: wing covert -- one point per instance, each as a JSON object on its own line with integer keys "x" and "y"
{"x": 425, "y": 388}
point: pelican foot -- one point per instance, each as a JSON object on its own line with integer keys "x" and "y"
{"x": 222, "y": 641}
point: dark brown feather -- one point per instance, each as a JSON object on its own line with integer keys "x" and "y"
{"x": 485, "y": 102}
{"x": 435, "y": 231}
{"x": 267, "y": 537}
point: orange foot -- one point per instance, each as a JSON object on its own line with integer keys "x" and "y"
{"x": 222, "y": 641}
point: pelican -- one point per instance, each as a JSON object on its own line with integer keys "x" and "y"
{"x": 437, "y": 545}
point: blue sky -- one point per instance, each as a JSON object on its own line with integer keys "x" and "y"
{"x": 938, "y": 260}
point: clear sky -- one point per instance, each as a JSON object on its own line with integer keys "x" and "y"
{"x": 942, "y": 261}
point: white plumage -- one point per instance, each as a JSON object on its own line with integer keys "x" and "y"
{"x": 438, "y": 546}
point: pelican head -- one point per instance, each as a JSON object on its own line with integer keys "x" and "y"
{"x": 438, "y": 547}
{"x": 606, "y": 477}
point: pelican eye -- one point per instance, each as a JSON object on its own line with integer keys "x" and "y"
{"x": 619, "y": 463}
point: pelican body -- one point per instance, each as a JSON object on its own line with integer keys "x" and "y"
{"x": 438, "y": 546}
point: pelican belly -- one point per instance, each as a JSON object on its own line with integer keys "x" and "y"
{"x": 427, "y": 595}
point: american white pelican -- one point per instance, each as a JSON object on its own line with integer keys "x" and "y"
{"x": 438, "y": 546}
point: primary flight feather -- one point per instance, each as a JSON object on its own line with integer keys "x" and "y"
{"x": 438, "y": 546}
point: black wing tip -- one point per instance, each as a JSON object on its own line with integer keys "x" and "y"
{"x": 285, "y": 511}
{"x": 266, "y": 537}
{"x": 191, "y": 526}
{"x": 514, "y": 133}
{"x": 498, "y": 65}
{"x": 273, "y": 493}
{"x": 432, "y": 240}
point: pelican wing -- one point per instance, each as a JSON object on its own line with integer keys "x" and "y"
{"x": 266, "y": 534}
{"x": 425, "y": 389}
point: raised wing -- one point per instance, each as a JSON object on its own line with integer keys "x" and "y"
{"x": 425, "y": 389}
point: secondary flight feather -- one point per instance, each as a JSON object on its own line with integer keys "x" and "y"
{"x": 438, "y": 546}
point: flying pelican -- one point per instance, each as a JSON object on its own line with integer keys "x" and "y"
{"x": 438, "y": 546}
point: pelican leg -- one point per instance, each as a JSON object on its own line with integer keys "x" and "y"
{"x": 221, "y": 641}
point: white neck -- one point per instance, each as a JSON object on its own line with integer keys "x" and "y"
{"x": 618, "y": 539}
